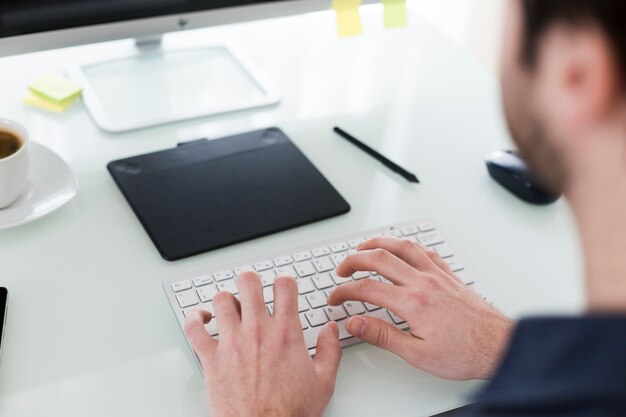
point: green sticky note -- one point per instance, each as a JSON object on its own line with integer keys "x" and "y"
{"x": 395, "y": 13}
{"x": 56, "y": 89}
{"x": 348, "y": 17}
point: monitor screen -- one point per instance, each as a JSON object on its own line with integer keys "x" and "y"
{"x": 23, "y": 17}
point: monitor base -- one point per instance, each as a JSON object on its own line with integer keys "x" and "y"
{"x": 155, "y": 85}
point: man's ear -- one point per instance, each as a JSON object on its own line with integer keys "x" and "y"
{"x": 578, "y": 78}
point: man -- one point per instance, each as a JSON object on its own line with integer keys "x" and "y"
{"x": 564, "y": 92}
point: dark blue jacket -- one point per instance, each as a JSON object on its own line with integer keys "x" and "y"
{"x": 560, "y": 367}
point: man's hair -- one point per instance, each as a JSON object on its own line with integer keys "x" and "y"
{"x": 608, "y": 15}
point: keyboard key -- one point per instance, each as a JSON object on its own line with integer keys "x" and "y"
{"x": 396, "y": 319}
{"x": 323, "y": 264}
{"x": 338, "y": 258}
{"x": 360, "y": 275}
{"x": 303, "y": 304}
{"x": 356, "y": 242}
{"x": 283, "y": 260}
{"x": 181, "y": 285}
{"x": 409, "y": 230}
{"x": 285, "y": 271}
{"x": 268, "y": 294}
{"x": 394, "y": 233}
{"x": 310, "y": 336}
{"x": 304, "y": 269}
{"x": 228, "y": 286}
{"x": 240, "y": 269}
{"x": 316, "y": 299}
{"x": 270, "y": 308}
{"x": 430, "y": 238}
{"x": 354, "y": 307}
{"x": 302, "y": 256}
{"x": 343, "y": 333}
{"x": 211, "y": 327}
{"x": 316, "y": 317}
{"x": 207, "y": 293}
{"x": 323, "y": 251}
{"x": 455, "y": 264}
{"x": 323, "y": 281}
{"x": 199, "y": 282}
{"x": 303, "y": 322}
{"x": 305, "y": 286}
{"x": 339, "y": 247}
{"x": 223, "y": 276}
{"x": 267, "y": 277}
{"x": 187, "y": 298}
{"x": 426, "y": 226}
{"x": 335, "y": 313}
{"x": 371, "y": 307}
{"x": 465, "y": 277}
{"x": 381, "y": 314}
{"x": 263, "y": 265}
{"x": 444, "y": 250}
{"x": 205, "y": 306}
{"x": 339, "y": 280}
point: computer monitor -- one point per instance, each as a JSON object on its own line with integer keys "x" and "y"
{"x": 236, "y": 83}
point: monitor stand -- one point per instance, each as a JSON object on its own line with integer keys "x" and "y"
{"x": 155, "y": 85}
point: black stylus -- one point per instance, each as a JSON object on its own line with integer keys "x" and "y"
{"x": 371, "y": 152}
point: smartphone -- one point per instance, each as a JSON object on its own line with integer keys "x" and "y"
{"x": 4, "y": 295}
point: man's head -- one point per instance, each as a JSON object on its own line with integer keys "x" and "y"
{"x": 564, "y": 82}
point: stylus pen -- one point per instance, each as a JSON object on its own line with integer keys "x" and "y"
{"x": 382, "y": 159}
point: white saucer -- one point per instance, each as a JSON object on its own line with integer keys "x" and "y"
{"x": 51, "y": 184}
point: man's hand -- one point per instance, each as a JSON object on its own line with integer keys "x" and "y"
{"x": 260, "y": 365}
{"x": 454, "y": 333}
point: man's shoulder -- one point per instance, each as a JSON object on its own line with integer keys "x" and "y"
{"x": 560, "y": 366}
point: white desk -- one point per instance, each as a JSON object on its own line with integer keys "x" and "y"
{"x": 89, "y": 330}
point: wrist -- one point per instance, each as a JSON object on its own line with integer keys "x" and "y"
{"x": 493, "y": 344}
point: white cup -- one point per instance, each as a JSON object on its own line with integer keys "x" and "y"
{"x": 14, "y": 168}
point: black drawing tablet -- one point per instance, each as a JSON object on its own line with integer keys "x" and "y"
{"x": 208, "y": 194}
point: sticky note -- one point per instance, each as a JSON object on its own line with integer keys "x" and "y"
{"x": 35, "y": 101}
{"x": 395, "y": 13}
{"x": 348, "y": 17}
{"x": 56, "y": 89}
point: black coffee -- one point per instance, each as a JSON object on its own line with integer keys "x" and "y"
{"x": 9, "y": 144}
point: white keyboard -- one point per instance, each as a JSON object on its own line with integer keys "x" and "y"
{"x": 313, "y": 266}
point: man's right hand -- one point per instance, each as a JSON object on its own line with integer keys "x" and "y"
{"x": 454, "y": 333}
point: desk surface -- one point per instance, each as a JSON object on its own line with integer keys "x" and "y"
{"x": 89, "y": 329}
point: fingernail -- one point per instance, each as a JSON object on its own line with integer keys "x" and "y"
{"x": 355, "y": 326}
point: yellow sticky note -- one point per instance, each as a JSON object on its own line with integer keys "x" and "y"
{"x": 55, "y": 88}
{"x": 348, "y": 17}
{"x": 395, "y": 13}
{"x": 35, "y": 101}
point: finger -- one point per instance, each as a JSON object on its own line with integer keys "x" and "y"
{"x": 286, "y": 299}
{"x": 382, "y": 334}
{"x": 373, "y": 292}
{"x": 409, "y": 251}
{"x": 199, "y": 339}
{"x": 328, "y": 352}
{"x": 381, "y": 261}
{"x": 251, "y": 297}
{"x": 227, "y": 311}
{"x": 440, "y": 262}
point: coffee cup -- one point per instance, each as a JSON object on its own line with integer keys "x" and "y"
{"x": 14, "y": 159}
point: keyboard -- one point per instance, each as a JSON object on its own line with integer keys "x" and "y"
{"x": 313, "y": 266}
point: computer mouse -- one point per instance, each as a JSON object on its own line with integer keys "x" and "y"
{"x": 510, "y": 170}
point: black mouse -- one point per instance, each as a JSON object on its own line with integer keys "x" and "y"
{"x": 509, "y": 170}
